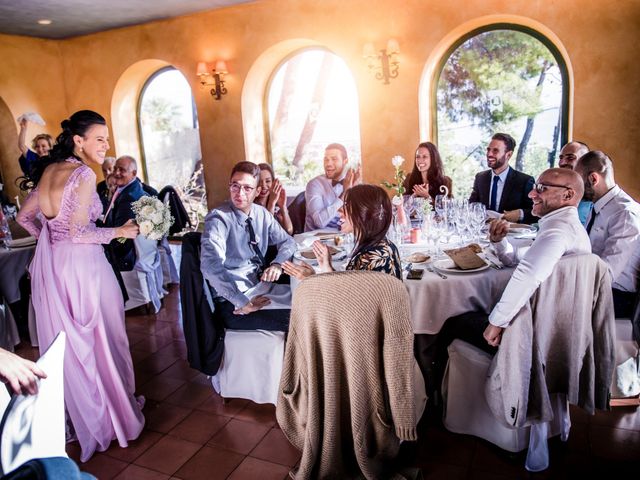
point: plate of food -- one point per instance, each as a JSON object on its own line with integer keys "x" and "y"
{"x": 448, "y": 266}
{"x": 308, "y": 256}
{"x": 416, "y": 257}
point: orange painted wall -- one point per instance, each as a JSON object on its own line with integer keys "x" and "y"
{"x": 31, "y": 79}
{"x": 600, "y": 36}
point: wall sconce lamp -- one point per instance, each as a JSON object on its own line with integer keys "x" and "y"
{"x": 213, "y": 79}
{"x": 383, "y": 63}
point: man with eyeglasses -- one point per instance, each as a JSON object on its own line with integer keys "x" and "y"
{"x": 234, "y": 245}
{"x": 613, "y": 226}
{"x": 501, "y": 188}
{"x": 555, "y": 197}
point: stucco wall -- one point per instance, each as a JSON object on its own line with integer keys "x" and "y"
{"x": 600, "y": 37}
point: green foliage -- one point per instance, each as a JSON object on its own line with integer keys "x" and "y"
{"x": 503, "y": 60}
{"x": 161, "y": 115}
{"x": 284, "y": 168}
{"x": 398, "y": 184}
{"x": 504, "y": 63}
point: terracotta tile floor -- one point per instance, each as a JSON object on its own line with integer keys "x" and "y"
{"x": 191, "y": 434}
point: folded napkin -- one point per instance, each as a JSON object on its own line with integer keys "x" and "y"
{"x": 466, "y": 258}
{"x": 280, "y": 295}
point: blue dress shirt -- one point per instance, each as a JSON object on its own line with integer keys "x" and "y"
{"x": 227, "y": 258}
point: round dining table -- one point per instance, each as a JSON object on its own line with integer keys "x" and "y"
{"x": 435, "y": 299}
{"x": 13, "y": 264}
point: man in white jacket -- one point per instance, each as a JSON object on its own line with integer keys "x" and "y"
{"x": 555, "y": 197}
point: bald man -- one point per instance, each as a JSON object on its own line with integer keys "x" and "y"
{"x": 555, "y": 197}
{"x": 613, "y": 227}
{"x": 122, "y": 256}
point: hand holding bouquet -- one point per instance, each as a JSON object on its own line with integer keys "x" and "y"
{"x": 153, "y": 217}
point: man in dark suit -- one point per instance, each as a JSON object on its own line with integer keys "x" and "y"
{"x": 122, "y": 256}
{"x": 501, "y": 188}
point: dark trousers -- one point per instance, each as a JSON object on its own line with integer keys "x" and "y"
{"x": 261, "y": 320}
{"x": 468, "y": 327}
{"x": 623, "y": 303}
{"x": 20, "y": 309}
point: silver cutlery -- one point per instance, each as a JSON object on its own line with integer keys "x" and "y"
{"x": 494, "y": 265}
{"x": 437, "y": 272}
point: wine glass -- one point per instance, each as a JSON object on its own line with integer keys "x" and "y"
{"x": 477, "y": 216}
{"x": 440, "y": 205}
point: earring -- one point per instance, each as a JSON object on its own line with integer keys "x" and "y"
{"x": 81, "y": 150}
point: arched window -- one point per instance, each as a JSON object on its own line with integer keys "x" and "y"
{"x": 312, "y": 101}
{"x": 502, "y": 78}
{"x": 168, "y": 124}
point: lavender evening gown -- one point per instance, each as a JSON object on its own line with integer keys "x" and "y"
{"x": 75, "y": 290}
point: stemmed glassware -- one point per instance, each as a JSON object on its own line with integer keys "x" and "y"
{"x": 5, "y": 233}
{"x": 477, "y": 217}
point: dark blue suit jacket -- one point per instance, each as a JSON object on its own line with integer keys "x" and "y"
{"x": 123, "y": 255}
{"x": 514, "y": 194}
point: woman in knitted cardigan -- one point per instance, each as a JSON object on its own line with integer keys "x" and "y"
{"x": 367, "y": 214}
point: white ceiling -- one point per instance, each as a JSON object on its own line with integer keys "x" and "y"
{"x": 80, "y": 17}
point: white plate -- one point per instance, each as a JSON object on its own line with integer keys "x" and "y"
{"x": 336, "y": 256}
{"x": 520, "y": 229}
{"x": 447, "y": 265}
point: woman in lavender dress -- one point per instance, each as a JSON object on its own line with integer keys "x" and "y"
{"x": 75, "y": 290}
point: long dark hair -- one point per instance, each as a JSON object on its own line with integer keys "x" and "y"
{"x": 77, "y": 124}
{"x": 369, "y": 210}
{"x": 435, "y": 173}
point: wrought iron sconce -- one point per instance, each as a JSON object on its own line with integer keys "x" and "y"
{"x": 384, "y": 63}
{"x": 213, "y": 78}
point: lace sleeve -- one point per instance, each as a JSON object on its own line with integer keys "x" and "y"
{"x": 82, "y": 229}
{"x": 28, "y": 213}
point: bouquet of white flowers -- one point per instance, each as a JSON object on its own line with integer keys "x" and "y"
{"x": 153, "y": 217}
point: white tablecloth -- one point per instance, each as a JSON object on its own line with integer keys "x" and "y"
{"x": 434, "y": 299}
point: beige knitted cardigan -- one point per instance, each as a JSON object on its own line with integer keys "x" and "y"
{"x": 346, "y": 392}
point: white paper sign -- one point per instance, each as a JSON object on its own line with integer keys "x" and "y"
{"x": 33, "y": 426}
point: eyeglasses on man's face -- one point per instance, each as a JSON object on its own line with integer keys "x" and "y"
{"x": 237, "y": 187}
{"x": 540, "y": 187}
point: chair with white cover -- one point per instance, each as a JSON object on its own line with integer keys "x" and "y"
{"x": 251, "y": 365}
{"x": 558, "y": 350}
{"x": 348, "y": 388}
{"x": 169, "y": 270}
{"x": 625, "y": 386}
{"x": 144, "y": 282}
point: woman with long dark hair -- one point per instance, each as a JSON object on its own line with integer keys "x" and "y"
{"x": 273, "y": 197}
{"x": 74, "y": 289}
{"x": 366, "y": 213}
{"x": 427, "y": 175}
